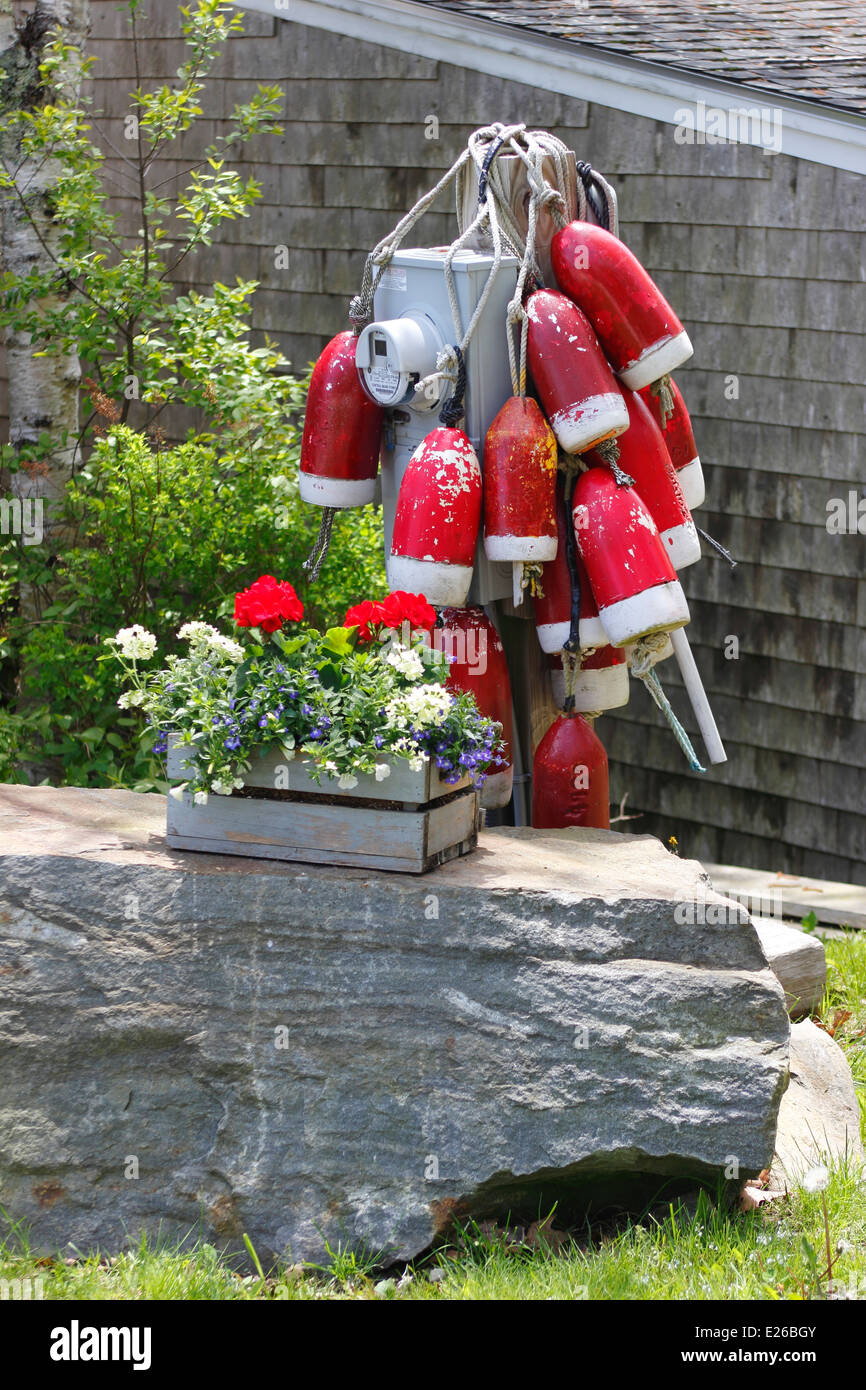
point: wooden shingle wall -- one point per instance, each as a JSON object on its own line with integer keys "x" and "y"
{"x": 764, "y": 257}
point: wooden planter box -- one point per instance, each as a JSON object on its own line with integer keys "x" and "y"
{"x": 409, "y": 823}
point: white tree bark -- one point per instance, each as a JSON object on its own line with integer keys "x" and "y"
{"x": 43, "y": 391}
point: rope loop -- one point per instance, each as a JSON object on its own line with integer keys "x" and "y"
{"x": 599, "y": 204}
{"x": 452, "y": 411}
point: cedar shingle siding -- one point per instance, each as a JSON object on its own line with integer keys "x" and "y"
{"x": 764, "y": 257}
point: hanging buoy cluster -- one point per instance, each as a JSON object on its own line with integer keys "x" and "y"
{"x": 585, "y": 486}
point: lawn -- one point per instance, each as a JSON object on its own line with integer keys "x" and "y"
{"x": 696, "y": 1249}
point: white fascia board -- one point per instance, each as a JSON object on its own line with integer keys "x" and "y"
{"x": 808, "y": 131}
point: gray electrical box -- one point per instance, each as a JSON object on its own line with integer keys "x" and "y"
{"x": 412, "y": 322}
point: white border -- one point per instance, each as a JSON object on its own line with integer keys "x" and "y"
{"x": 810, "y": 131}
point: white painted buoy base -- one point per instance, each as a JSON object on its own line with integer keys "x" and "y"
{"x": 505, "y": 548}
{"x": 336, "y": 492}
{"x": 496, "y": 789}
{"x": 659, "y": 359}
{"x": 445, "y": 586}
{"x": 591, "y": 633}
{"x": 606, "y": 688}
{"x": 659, "y": 609}
{"x": 552, "y": 637}
{"x": 586, "y": 423}
{"x": 682, "y": 544}
{"x": 691, "y": 480}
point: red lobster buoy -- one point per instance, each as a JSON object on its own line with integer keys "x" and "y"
{"x": 552, "y": 607}
{"x": 481, "y": 669}
{"x": 342, "y": 431}
{"x": 680, "y": 443}
{"x": 642, "y": 454}
{"x": 599, "y": 683}
{"x": 638, "y": 329}
{"x": 436, "y": 520}
{"x": 520, "y": 458}
{"x": 577, "y": 387}
{"x": 634, "y": 583}
{"x": 569, "y": 777}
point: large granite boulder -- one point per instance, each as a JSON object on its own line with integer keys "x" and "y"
{"x": 305, "y": 1054}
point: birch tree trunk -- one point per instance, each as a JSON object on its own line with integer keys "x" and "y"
{"x": 43, "y": 391}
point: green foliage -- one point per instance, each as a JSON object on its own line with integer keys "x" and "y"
{"x": 164, "y": 536}
{"x": 111, "y": 300}
{"x": 155, "y": 533}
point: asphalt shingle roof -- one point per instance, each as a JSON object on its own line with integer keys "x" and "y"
{"x": 811, "y": 49}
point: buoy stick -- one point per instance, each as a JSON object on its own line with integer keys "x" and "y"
{"x": 698, "y": 697}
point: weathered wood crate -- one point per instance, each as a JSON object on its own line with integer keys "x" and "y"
{"x": 409, "y": 823}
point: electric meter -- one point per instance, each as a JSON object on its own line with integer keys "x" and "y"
{"x": 392, "y": 356}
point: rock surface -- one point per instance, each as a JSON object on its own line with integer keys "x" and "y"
{"x": 229, "y": 1045}
{"x": 798, "y": 962}
{"x": 819, "y": 1118}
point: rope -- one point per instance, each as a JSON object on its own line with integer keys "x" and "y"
{"x": 645, "y": 648}
{"x": 361, "y": 306}
{"x": 653, "y": 685}
{"x": 531, "y": 578}
{"x": 598, "y": 205}
{"x": 316, "y": 557}
{"x": 608, "y": 452}
{"x": 452, "y": 411}
{"x": 717, "y": 545}
{"x": 661, "y": 389}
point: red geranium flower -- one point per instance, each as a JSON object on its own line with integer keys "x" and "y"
{"x": 400, "y": 607}
{"x": 266, "y": 604}
{"x": 365, "y": 616}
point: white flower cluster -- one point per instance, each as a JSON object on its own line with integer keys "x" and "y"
{"x": 134, "y": 642}
{"x": 406, "y": 661}
{"x": 425, "y": 706}
{"x": 207, "y": 638}
{"x": 131, "y": 698}
{"x": 227, "y": 787}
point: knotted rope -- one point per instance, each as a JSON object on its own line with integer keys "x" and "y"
{"x": 661, "y": 389}
{"x": 608, "y": 451}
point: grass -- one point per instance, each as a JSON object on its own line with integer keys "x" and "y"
{"x": 690, "y": 1250}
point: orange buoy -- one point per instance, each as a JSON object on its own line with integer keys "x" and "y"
{"x": 520, "y": 457}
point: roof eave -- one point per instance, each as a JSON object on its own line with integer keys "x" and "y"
{"x": 809, "y": 130}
